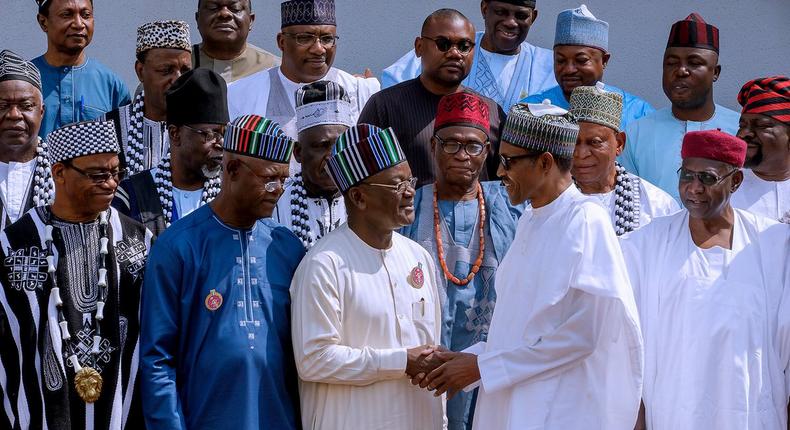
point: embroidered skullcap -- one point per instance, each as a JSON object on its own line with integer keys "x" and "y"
{"x": 307, "y": 12}
{"x": 767, "y": 96}
{"x": 596, "y": 105}
{"x": 714, "y": 145}
{"x": 580, "y": 27}
{"x": 541, "y": 127}
{"x": 694, "y": 32}
{"x": 322, "y": 103}
{"x": 361, "y": 152}
{"x": 259, "y": 137}
{"x": 163, "y": 34}
{"x": 525, "y": 3}
{"x": 15, "y": 68}
{"x": 199, "y": 96}
{"x": 81, "y": 139}
{"x": 463, "y": 108}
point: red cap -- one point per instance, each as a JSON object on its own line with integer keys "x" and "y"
{"x": 694, "y": 32}
{"x": 464, "y": 108}
{"x": 714, "y": 145}
{"x": 767, "y": 96}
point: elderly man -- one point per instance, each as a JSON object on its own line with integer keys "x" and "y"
{"x": 564, "y": 349}
{"x": 365, "y": 299}
{"x": 312, "y": 206}
{"x": 445, "y": 47}
{"x": 506, "y": 68}
{"x": 308, "y": 39}
{"x": 189, "y": 176}
{"x": 75, "y": 87}
{"x": 224, "y": 26}
{"x": 467, "y": 225}
{"x": 25, "y": 175}
{"x": 215, "y": 351}
{"x": 691, "y": 66}
{"x": 71, "y": 279}
{"x": 713, "y": 288}
{"x": 163, "y": 50}
{"x": 765, "y": 126}
{"x": 632, "y": 202}
{"x": 581, "y": 54}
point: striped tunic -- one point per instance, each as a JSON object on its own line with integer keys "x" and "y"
{"x": 355, "y": 312}
{"x": 36, "y": 378}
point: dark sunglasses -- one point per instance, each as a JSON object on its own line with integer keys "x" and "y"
{"x": 705, "y": 178}
{"x": 464, "y": 46}
{"x": 506, "y": 161}
{"x": 99, "y": 177}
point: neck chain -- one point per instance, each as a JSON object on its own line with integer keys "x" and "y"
{"x": 43, "y": 185}
{"x": 627, "y": 207}
{"x": 87, "y": 380}
{"x": 164, "y": 188}
{"x": 440, "y": 247}
{"x": 135, "y": 149}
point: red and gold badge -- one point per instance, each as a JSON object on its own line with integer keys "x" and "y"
{"x": 213, "y": 300}
{"x": 416, "y": 277}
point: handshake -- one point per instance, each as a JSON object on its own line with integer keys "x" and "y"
{"x": 440, "y": 370}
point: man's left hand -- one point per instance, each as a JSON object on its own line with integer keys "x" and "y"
{"x": 459, "y": 370}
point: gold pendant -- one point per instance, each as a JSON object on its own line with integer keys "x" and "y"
{"x": 88, "y": 383}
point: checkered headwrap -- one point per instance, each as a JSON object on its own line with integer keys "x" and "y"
{"x": 259, "y": 137}
{"x": 15, "y": 68}
{"x": 541, "y": 127}
{"x": 361, "y": 152}
{"x": 163, "y": 34}
{"x": 767, "y": 96}
{"x": 694, "y": 32}
{"x": 596, "y": 105}
{"x": 308, "y": 12}
{"x": 321, "y": 103}
{"x": 81, "y": 139}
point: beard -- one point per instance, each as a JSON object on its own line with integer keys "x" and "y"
{"x": 754, "y": 161}
{"x": 211, "y": 173}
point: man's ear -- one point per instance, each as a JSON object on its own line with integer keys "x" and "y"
{"x": 138, "y": 69}
{"x": 737, "y": 180}
{"x": 58, "y": 173}
{"x": 356, "y": 197}
{"x": 621, "y": 138}
{"x": 298, "y": 152}
{"x": 174, "y": 134}
{"x": 281, "y": 41}
{"x": 418, "y": 47}
{"x": 42, "y": 22}
{"x": 605, "y": 59}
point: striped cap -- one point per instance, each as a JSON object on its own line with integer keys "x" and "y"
{"x": 694, "y": 32}
{"x": 15, "y": 68}
{"x": 259, "y": 137}
{"x": 541, "y": 127}
{"x": 767, "y": 96}
{"x": 361, "y": 152}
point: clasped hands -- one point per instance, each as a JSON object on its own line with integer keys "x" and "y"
{"x": 440, "y": 370}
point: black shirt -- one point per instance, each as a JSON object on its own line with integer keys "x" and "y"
{"x": 410, "y": 109}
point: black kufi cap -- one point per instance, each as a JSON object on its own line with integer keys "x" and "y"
{"x": 199, "y": 96}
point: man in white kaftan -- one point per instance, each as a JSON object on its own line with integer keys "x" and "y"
{"x": 564, "y": 349}
{"x": 714, "y": 304}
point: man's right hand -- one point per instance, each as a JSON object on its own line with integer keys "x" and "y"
{"x": 422, "y": 360}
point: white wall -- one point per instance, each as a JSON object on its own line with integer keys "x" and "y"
{"x": 755, "y": 40}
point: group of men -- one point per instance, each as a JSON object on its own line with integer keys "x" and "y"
{"x": 495, "y": 240}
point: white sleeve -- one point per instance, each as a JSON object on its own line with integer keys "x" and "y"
{"x": 316, "y": 331}
{"x": 554, "y": 353}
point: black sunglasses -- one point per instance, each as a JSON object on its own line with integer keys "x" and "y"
{"x": 464, "y": 46}
{"x": 705, "y": 178}
{"x": 506, "y": 160}
{"x": 99, "y": 177}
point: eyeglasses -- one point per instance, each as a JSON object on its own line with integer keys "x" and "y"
{"x": 270, "y": 186}
{"x": 99, "y": 177}
{"x": 209, "y": 136}
{"x": 707, "y": 179}
{"x": 400, "y": 188}
{"x": 453, "y": 146}
{"x": 464, "y": 46}
{"x": 308, "y": 39}
{"x": 506, "y": 160}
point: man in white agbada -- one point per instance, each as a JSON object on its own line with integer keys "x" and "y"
{"x": 365, "y": 302}
{"x": 632, "y": 201}
{"x": 311, "y": 205}
{"x": 765, "y": 126}
{"x": 713, "y": 288}
{"x": 506, "y": 68}
{"x": 564, "y": 350}
{"x": 308, "y": 40}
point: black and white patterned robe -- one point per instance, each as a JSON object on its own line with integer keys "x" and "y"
{"x": 36, "y": 379}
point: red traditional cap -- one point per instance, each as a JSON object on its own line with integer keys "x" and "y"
{"x": 767, "y": 96}
{"x": 465, "y": 109}
{"x": 714, "y": 145}
{"x": 694, "y": 32}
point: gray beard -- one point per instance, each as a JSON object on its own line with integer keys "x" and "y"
{"x": 210, "y": 174}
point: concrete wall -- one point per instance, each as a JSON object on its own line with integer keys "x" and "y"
{"x": 754, "y": 34}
